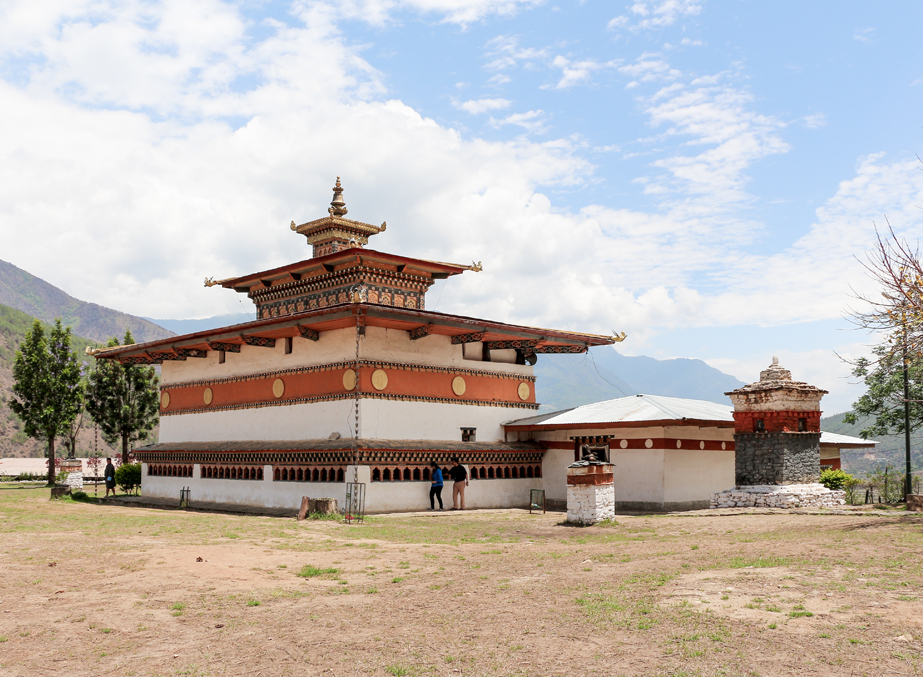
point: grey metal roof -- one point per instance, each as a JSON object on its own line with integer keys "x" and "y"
{"x": 837, "y": 440}
{"x": 633, "y": 409}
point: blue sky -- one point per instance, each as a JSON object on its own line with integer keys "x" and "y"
{"x": 702, "y": 175}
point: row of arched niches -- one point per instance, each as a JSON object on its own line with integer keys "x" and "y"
{"x": 315, "y": 474}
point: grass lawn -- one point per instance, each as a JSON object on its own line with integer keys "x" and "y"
{"x": 102, "y": 590}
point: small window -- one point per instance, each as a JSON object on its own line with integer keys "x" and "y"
{"x": 802, "y": 425}
{"x": 469, "y": 434}
{"x": 288, "y": 345}
{"x": 220, "y": 357}
{"x": 759, "y": 425}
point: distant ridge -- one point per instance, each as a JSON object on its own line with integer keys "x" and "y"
{"x": 33, "y": 296}
{"x": 565, "y": 381}
{"x": 215, "y": 322}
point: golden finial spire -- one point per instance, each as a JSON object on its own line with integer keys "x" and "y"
{"x": 338, "y": 205}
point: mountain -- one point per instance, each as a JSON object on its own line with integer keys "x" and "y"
{"x": 13, "y": 441}
{"x": 190, "y": 326}
{"x": 35, "y": 297}
{"x": 564, "y": 381}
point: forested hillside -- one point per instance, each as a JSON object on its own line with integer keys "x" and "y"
{"x": 37, "y": 298}
{"x": 13, "y": 441}
{"x": 889, "y": 451}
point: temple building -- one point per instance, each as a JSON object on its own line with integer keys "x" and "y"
{"x": 345, "y": 376}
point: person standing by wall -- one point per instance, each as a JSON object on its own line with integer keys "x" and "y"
{"x": 109, "y": 474}
{"x": 435, "y": 489}
{"x": 460, "y": 480}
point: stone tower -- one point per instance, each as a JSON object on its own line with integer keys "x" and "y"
{"x": 777, "y": 430}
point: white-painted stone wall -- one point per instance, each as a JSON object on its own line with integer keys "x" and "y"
{"x": 339, "y": 345}
{"x": 312, "y": 421}
{"x": 589, "y": 504}
{"x": 378, "y": 420}
{"x": 779, "y": 496}
{"x": 74, "y": 480}
{"x": 380, "y": 497}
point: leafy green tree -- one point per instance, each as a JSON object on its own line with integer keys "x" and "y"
{"x": 47, "y": 389}
{"x": 123, "y": 399}
{"x": 884, "y": 400}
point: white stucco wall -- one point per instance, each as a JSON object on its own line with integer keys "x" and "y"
{"x": 395, "y": 420}
{"x": 693, "y": 475}
{"x": 293, "y": 422}
{"x": 379, "y": 496}
{"x": 639, "y": 476}
{"x": 339, "y": 345}
{"x": 333, "y": 346}
{"x": 554, "y": 473}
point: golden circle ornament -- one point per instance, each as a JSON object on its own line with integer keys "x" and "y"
{"x": 165, "y": 400}
{"x": 208, "y": 396}
{"x": 278, "y": 388}
{"x": 459, "y": 386}
{"x": 379, "y": 379}
{"x": 349, "y": 379}
{"x": 523, "y": 391}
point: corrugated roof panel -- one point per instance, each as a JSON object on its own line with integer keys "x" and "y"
{"x": 636, "y": 408}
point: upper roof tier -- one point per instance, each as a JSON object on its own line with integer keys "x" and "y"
{"x": 334, "y": 233}
{"x": 311, "y": 324}
{"x": 341, "y": 271}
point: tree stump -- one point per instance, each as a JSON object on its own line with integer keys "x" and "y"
{"x": 915, "y": 502}
{"x": 305, "y": 508}
{"x": 324, "y": 506}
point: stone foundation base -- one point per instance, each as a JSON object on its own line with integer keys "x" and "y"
{"x": 589, "y": 504}
{"x": 74, "y": 480}
{"x": 779, "y": 496}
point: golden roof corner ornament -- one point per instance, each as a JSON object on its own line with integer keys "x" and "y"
{"x": 618, "y": 338}
{"x": 338, "y": 204}
{"x": 293, "y": 226}
{"x": 475, "y": 267}
{"x": 384, "y": 227}
{"x": 210, "y": 282}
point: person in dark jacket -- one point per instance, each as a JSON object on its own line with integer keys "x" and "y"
{"x": 459, "y": 481}
{"x": 109, "y": 474}
{"x": 435, "y": 489}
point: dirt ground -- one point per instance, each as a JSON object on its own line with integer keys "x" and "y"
{"x": 103, "y": 590}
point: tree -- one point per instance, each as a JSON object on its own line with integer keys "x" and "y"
{"x": 73, "y": 428}
{"x": 884, "y": 400}
{"x": 123, "y": 399}
{"x": 47, "y": 391}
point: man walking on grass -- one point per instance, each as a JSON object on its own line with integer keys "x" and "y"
{"x": 460, "y": 480}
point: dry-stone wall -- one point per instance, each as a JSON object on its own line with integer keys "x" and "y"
{"x": 776, "y": 458}
{"x": 775, "y": 496}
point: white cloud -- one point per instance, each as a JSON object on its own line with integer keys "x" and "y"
{"x": 505, "y": 52}
{"x": 532, "y": 121}
{"x": 578, "y": 72}
{"x": 649, "y": 67}
{"x": 651, "y": 14}
{"x": 814, "y": 121}
{"x": 463, "y": 12}
{"x": 864, "y": 35}
{"x": 478, "y": 106}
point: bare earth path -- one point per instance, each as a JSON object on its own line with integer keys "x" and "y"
{"x": 102, "y": 590}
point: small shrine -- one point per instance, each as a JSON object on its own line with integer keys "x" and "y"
{"x": 777, "y": 441}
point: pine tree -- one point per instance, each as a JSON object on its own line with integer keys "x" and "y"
{"x": 123, "y": 399}
{"x": 47, "y": 389}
